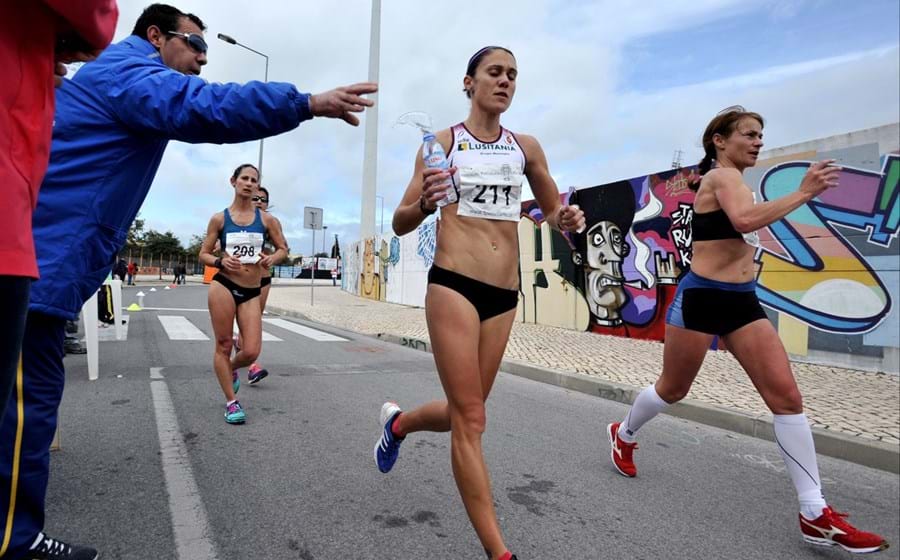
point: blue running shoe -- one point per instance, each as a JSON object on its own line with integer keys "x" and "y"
{"x": 235, "y": 381}
{"x": 387, "y": 448}
{"x": 234, "y": 414}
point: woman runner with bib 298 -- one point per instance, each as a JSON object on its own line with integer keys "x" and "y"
{"x": 718, "y": 298}
{"x": 472, "y": 291}
{"x": 234, "y": 291}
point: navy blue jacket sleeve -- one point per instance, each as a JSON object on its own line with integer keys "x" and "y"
{"x": 153, "y": 99}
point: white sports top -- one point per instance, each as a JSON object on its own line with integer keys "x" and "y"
{"x": 489, "y": 180}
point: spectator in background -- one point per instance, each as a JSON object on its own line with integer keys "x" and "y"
{"x": 131, "y": 270}
{"x": 121, "y": 270}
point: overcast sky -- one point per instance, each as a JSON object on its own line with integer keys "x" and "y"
{"x": 610, "y": 88}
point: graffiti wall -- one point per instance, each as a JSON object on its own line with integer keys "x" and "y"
{"x": 828, "y": 273}
{"x": 391, "y": 268}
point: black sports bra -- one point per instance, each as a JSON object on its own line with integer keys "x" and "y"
{"x": 710, "y": 226}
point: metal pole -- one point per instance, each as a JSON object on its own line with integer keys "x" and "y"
{"x": 367, "y": 209}
{"x": 312, "y": 268}
{"x": 324, "y": 237}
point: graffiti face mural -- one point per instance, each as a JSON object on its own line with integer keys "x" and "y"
{"x": 604, "y": 250}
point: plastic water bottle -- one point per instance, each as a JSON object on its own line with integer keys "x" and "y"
{"x": 435, "y": 158}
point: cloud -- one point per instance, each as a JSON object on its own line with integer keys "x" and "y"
{"x": 569, "y": 95}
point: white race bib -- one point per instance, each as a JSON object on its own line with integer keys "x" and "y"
{"x": 245, "y": 245}
{"x": 491, "y": 191}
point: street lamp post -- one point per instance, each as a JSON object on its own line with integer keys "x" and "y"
{"x": 233, "y": 41}
{"x": 323, "y": 237}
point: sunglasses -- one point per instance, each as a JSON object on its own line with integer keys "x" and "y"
{"x": 732, "y": 109}
{"x": 260, "y": 199}
{"x": 195, "y": 41}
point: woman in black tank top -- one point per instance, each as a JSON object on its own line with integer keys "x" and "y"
{"x": 718, "y": 298}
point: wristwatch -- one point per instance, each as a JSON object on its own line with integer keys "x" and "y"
{"x": 424, "y": 209}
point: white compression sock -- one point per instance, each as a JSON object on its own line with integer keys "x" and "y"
{"x": 794, "y": 439}
{"x": 647, "y": 405}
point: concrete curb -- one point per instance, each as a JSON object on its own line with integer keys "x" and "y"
{"x": 870, "y": 453}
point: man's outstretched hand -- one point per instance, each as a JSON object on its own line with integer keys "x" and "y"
{"x": 342, "y": 102}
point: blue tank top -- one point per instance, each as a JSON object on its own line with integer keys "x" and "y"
{"x": 243, "y": 242}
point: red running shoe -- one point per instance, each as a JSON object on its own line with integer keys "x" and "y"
{"x": 621, "y": 452}
{"x": 831, "y": 529}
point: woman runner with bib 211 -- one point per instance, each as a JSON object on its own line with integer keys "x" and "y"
{"x": 234, "y": 291}
{"x": 718, "y": 298}
{"x": 472, "y": 293}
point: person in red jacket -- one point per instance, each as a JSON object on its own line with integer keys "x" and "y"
{"x": 37, "y": 39}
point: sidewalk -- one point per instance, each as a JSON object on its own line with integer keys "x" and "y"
{"x": 862, "y": 405}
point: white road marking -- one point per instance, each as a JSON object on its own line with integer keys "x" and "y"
{"x": 266, "y": 337}
{"x": 190, "y": 525}
{"x": 179, "y": 328}
{"x": 318, "y": 336}
{"x": 174, "y": 309}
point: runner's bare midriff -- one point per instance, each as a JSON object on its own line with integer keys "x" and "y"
{"x": 724, "y": 260}
{"x": 484, "y": 250}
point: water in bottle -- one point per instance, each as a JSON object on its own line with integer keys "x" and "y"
{"x": 435, "y": 158}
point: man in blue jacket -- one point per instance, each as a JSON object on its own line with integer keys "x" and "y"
{"x": 113, "y": 122}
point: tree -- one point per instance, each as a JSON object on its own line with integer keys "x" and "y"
{"x": 167, "y": 243}
{"x": 135, "y": 233}
{"x": 335, "y": 249}
{"x": 194, "y": 248}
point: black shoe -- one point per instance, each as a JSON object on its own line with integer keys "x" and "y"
{"x": 52, "y": 549}
{"x": 73, "y": 346}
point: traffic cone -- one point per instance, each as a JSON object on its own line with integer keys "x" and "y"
{"x": 138, "y": 305}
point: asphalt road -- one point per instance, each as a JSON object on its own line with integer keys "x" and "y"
{"x": 297, "y": 481}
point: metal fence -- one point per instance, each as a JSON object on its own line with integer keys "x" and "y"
{"x": 163, "y": 265}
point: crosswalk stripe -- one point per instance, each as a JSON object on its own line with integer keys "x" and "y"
{"x": 269, "y": 337}
{"x": 318, "y": 336}
{"x": 179, "y": 328}
{"x": 266, "y": 337}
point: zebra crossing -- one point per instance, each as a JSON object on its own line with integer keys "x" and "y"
{"x": 182, "y": 328}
